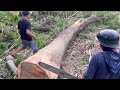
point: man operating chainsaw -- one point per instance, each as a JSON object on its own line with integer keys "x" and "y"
{"x": 105, "y": 64}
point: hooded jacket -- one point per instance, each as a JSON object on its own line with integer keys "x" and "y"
{"x": 104, "y": 65}
{"x": 113, "y": 64}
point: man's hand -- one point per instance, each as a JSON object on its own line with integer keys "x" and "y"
{"x": 34, "y": 38}
{"x": 31, "y": 35}
{"x": 80, "y": 76}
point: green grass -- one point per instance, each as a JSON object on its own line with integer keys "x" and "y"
{"x": 109, "y": 19}
{"x": 41, "y": 41}
{"x": 18, "y": 61}
{"x": 85, "y": 60}
{"x": 84, "y": 36}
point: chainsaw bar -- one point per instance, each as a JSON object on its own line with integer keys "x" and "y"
{"x": 55, "y": 70}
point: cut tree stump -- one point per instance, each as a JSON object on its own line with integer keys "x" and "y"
{"x": 53, "y": 53}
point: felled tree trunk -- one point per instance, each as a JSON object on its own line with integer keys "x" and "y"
{"x": 52, "y": 54}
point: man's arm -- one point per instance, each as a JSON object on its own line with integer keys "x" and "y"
{"x": 28, "y": 31}
{"x": 30, "y": 34}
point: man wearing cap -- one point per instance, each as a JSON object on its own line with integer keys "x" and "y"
{"x": 105, "y": 64}
{"x": 27, "y": 38}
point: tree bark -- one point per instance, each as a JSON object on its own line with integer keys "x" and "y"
{"x": 53, "y": 53}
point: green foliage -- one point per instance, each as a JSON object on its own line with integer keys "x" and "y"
{"x": 19, "y": 59}
{"x": 9, "y": 37}
{"x": 2, "y": 47}
{"x": 93, "y": 28}
{"x": 41, "y": 41}
{"x": 109, "y": 19}
{"x": 114, "y": 24}
{"x": 85, "y": 60}
{"x": 61, "y": 23}
{"x": 86, "y": 14}
{"x": 4, "y": 19}
{"x": 84, "y": 36}
{"x": 8, "y": 17}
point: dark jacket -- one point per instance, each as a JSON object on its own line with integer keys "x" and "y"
{"x": 104, "y": 65}
{"x": 24, "y": 24}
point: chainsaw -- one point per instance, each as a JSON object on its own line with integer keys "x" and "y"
{"x": 61, "y": 73}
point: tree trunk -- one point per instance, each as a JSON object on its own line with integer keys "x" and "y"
{"x": 52, "y": 54}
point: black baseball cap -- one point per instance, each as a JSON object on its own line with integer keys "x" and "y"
{"x": 25, "y": 13}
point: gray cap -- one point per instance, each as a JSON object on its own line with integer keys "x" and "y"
{"x": 109, "y": 38}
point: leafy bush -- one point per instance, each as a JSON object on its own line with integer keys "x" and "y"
{"x": 114, "y": 24}
{"x": 9, "y": 37}
{"x": 8, "y": 17}
{"x": 2, "y": 48}
{"x": 41, "y": 41}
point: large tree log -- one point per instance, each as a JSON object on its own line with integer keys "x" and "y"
{"x": 52, "y": 54}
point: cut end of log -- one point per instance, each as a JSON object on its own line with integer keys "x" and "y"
{"x": 31, "y": 71}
